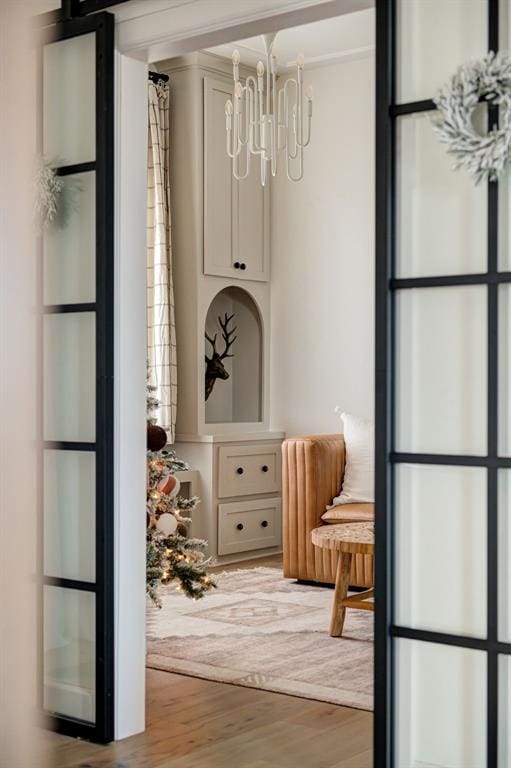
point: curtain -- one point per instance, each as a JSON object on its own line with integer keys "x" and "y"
{"x": 161, "y": 330}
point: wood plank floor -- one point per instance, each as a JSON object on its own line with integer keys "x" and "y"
{"x": 194, "y": 723}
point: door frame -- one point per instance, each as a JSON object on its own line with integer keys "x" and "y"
{"x": 102, "y": 730}
{"x": 388, "y": 112}
{"x": 300, "y": 13}
{"x": 383, "y": 392}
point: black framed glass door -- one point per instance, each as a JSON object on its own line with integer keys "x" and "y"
{"x": 77, "y": 296}
{"x": 442, "y": 414}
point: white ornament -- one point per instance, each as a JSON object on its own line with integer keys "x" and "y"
{"x": 489, "y": 79}
{"x": 169, "y": 479}
{"x": 175, "y": 490}
{"x": 166, "y": 523}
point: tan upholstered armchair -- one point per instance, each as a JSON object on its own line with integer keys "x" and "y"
{"x": 312, "y": 468}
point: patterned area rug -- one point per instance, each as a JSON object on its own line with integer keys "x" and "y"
{"x": 263, "y": 631}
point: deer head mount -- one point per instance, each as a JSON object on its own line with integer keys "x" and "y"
{"x": 214, "y": 366}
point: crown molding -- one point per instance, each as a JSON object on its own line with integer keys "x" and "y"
{"x": 351, "y": 54}
{"x": 202, "y": 61}
{"x": 202, "y": 24}
{"x": 313, "y": 62}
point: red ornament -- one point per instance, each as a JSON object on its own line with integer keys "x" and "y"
{"x": 156, "y": 437}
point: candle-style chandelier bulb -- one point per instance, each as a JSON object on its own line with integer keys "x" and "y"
{"x": 267, "y": 121}
{"x": 309, "y": 92}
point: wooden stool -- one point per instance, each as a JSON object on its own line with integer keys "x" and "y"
{"x": 348, "y": 539}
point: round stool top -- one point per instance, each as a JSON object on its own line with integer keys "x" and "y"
{"x": 356, "y": 538}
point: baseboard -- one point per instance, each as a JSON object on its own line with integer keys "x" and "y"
{"x": 328, "y": 584}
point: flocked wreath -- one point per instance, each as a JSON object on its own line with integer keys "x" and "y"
{"x": 488, "y": 79}
{"x": 48, "y": 192}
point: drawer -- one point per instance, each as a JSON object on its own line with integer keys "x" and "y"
{"x": 246, "y": 525}
{"x": 248, "y": 469}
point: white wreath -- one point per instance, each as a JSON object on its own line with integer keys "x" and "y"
{"x": 48, "y": 192}
{"x": 485, "y": 157}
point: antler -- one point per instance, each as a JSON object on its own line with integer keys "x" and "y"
{"x": 212, "y": 341}
{"x": 226, "y": 334}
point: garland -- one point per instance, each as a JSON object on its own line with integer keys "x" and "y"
{"x": 48, "y": 191}
{"x": 488, "y": 79}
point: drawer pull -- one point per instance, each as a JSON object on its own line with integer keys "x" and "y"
{"x": 264, "y": 524}
{"x": 240, "y": 470}
{"x": 240, "y": 526}
{"x": 264, "y": 468}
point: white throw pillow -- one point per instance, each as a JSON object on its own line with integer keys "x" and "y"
{"x": 358, "y": 483}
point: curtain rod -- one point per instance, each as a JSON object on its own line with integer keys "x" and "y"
{"x": 155, "y": 76}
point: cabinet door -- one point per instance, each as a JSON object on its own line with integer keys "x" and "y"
{"x": 248, "y": 469}
{"x": 248, "y": 525}
{"x": 220, "y": 187}
{"x": 236, "y": 213}
{"x": 253, "y": 226}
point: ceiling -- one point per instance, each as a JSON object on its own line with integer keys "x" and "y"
{"x": 320, "y": 41}
{"x": 127, "y": 10}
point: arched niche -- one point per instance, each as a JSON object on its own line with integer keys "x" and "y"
{"x": 236, "y": 394}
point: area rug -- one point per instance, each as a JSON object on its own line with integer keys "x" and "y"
{"x": 263, "y": 631}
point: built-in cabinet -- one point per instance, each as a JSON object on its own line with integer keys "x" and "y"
{"x": 249, "y": 525}
{"x": 240, "y": 490}
{"x": 221, "y": 267}
{"x": 236, "y": 236}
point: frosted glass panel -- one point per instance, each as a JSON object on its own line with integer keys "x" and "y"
{"x": 441, "y": 370}
{"x": 70, "y": 244}
{"x": 505, "y": 555}
{"x": 433, "y": 38}
{"x": 69, "y": 652}
{"x": 441, "y": 214}
{"x": 441, "y": 548}
{"x": 440, "y": 706}
{"x": 69, "y": 514}
{"x": 70, "y": 377}
{"x": 69, "y": 100}
{"x": 504, "y": 370}
{"x": 504, "y": 260}
{"x": 504, "y": 712}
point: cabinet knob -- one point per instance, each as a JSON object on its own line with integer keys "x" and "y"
{"x": 264, "y": 524}
{"x": 240, "y": 526}
{"x": 264, "y": 468}
{"x": 236, "y": 265}
{"x": 243, "y": 265}
{"x": 240, "y": 470}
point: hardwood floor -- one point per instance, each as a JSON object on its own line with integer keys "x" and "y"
{"x": 194, "y": 723}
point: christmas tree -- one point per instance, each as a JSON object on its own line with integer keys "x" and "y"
{"x": 171, "y": 555}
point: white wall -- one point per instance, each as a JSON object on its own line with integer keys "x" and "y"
{"x": 20, "y": 741}
{"x": 322, "y": 248}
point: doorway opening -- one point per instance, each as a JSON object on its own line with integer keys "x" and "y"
{"x": 267, "y": 382}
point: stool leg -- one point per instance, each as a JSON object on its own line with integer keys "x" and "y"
{"x": 341, "y": 591}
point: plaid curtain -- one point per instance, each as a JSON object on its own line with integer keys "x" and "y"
{"x": 161, "y": 330}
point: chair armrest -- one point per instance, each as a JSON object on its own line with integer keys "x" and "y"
{"x": 312, "y": 468}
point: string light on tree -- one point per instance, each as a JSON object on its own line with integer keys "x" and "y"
{"x": 170, "y": 554}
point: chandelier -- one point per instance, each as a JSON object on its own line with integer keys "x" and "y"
{"x": 265, "y": 121}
